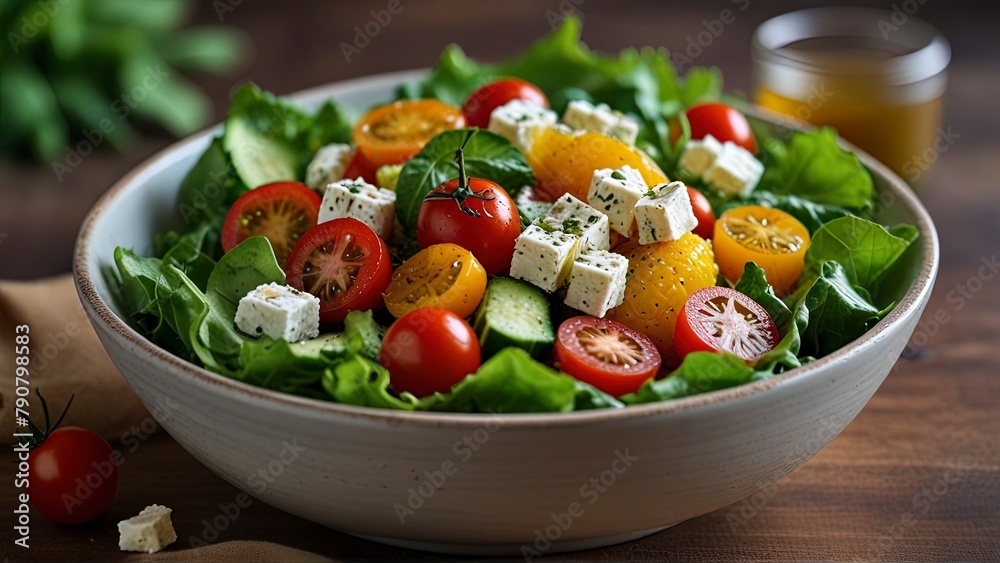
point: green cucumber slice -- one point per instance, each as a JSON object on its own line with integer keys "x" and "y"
{"x": 259, "y": 159}
{"x": 514, "y": 313}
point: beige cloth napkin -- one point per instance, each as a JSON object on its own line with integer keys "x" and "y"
{"x": 65, "y": 358}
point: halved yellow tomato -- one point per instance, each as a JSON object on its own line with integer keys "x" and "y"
{"x": 392, "y": 133}
{"x": 771, "y": 238}
{"x": 660, "y": 278}
{"x": 445, "y": 276}
{"x": 565, "y": 163}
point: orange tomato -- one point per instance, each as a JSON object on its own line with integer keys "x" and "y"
{"x": 392, "y": 133}
{"x": 445, "y": 276}
{"x": 660, "y": 278}
{"x": 565, "y": 163}
{"x": 771, "y": 238}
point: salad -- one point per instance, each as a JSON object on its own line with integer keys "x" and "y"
{"x": 562, "y": 231}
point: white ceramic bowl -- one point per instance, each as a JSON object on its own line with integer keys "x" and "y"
{"x": 493, "y": 484}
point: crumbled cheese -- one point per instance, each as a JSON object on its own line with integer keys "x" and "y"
{"x": 581, "y": 115}
{"x": 577, "y": 218}
{"x": 597, "y": 282}
{"x": 735, "y": 171}
{"x": 328, "y": 165}
{"x": 543, "y": 256}
{"x": 521, "y": 122}
{"x": 279, "y": 311}
{"x": 150, "y": 531}
{"x": 665, "y": 213}
{"x": 375, "y": 207}
{"x": 698, "y": 156}
{"x": 615, "y": 193}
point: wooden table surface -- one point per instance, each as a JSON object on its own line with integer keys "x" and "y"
{"x": 915, "y": 477}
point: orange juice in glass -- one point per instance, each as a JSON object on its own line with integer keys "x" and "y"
{"x": 879, "y": 82}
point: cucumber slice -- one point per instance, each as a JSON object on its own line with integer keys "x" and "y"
{"x": 514, "y": 313}
{"x": 259, "y": 159}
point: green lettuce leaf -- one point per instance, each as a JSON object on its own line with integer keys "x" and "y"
{"x": 700, "y": 372}
{"x": 360, "y": 381}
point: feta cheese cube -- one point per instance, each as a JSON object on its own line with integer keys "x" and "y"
{"x": 575, "y": 217}
{"x": 584, "y": 116}
{"x": 544, "y": 257}
{"x": 521, "y": 122}
{"x": 597, "y": 282}
{"x": 615, "y": 193}
{"x": 150, "y": 531}
{"x": 665, "y": 213}
{"x": 735, "y": 171}
{"x": 375, "y": 207}
{"x": 328, "y": 165}
{"x": 698, "y": 156}
{"x": 279, "y": 311}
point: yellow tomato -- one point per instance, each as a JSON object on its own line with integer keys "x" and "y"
{"x": 771, "y": 238}
{"x": 445, "y": 276}
{"x": 565, "y": 163}
{"x": 660, "y": 278}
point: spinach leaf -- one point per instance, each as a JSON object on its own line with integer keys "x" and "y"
{"x": 838, "y": 313}
{"x": 754, "y": 285}
{"x": 813, "y": 167}
{"x": 210, "y": 188}
{"x": 865, "y": 250}
{"x": 487, "y": 155}
{"x": 700, "y": 372}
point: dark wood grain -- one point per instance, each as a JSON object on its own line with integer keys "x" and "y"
{"x": 915, "y": 477}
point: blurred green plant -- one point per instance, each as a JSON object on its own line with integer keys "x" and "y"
{"x": 73, "y": 69}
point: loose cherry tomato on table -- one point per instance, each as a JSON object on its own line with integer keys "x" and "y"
{"x": 444, "y": 276}
{"x": 771, "y": 238}
{"x": 429, "y": 350}
{"x": 608, "y": 355}
{"x": 282, "y": 212}
{"x": 392, "y": 133}
{"x": 343, "y": 263}
{"x": 488, "y": 97}
{"x": 473, "y": 213}
{"x": 720, "y": 318}
{"x": 703, "y": 213}
{"x": 720, "y": 121}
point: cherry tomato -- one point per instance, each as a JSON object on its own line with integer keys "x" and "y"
{"x": 703, "y": 212}
{"x": 344, "y": 263}
{"x": 429, "y": 350}
{"x": 480, "y": 217}
{"x": 488, "y": 97}
{"x": 360, "y": 167}
{"x": 282, "y": 212}
{"x": 771, "y": 238}
{"x": 720, "y": 318}
{"x": 608, "y": 355}
{"x": 74, "y": 476}
{"x": 392, "y": 133}
{"x": 720, "y": 121}
{"x": 444, "y": 276}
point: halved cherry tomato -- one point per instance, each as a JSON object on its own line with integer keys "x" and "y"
{"x": 773, "y": 239}
{"x": 660, "y": 278}
{"x": 720, "y": 318}
{"x": 344, "y": 263}
{"x": 360, "y": 167}
{"x": 565, "y": 163}
{"x": 606, "y": 354}
{"x": 703, "y": 212}
{"x": 282, "y": 212}
{"x": 720, "y": 121}
{"x": 445, "y": 276}
{"x": 392, "y": 133}
{"x": 478, "y": 107}
{"x": 429, "y": 350}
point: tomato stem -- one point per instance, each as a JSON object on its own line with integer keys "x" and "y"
{"x": 37, "y": 434}
{"x": 464, "y": 190}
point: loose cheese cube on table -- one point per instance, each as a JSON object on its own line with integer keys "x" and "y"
{"x": 328, "y": 166}
{"x": 597, "y": 282}
{"x": 585, "y": 116}
{"x": 615, "y": 193}
{"x": 279, "y": 311}
{"x": 150, "y": 531}
{"x": 544, "y": 257}
{"x": 735, "y": 171}
{"x": 698, "y": 156}
{"x": 575, "y": 217}
{"x": 521, "y": 122}
{"x": 665, "y": 213}
{"x": 375, "y": 207}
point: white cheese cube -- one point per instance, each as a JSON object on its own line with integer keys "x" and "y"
{"x": 575, "y": 217}
{"x": 328, "y": 165}
{"x": 375, "y": 207}
{"x": 698, "y": 156}
{"x": 279, "y": 311}
{"x": 597, "y": 282}
{"x": 665, "y": 213}
{"x": 584, "y": 116}
{"x": 521, "y": 122}
{"x": 615, "y": 193}
{"x": 735, "y": 171}
{"x": 150, "y": 531}
{"x": 544, "y": 257}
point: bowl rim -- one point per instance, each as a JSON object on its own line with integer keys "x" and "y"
{"x": 911, "y": 302}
